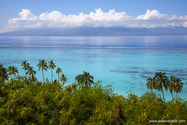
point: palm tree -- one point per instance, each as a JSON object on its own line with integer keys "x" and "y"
{"x": 15, "y": 70}
{"x": 178, "y": 86}
{"x": 12, "y": 70}
{"x": 161, "y": 81}
{"x": 86, "y": 79}
{"x": 31, "y": 72}
{"x": 25, "y": 66}
{"x": 20, "y": 78}
{"x": 43, "y": 66}
{"x": 3, "y": 73}
{"x": 58, "y": 71}
{"x": 151, "y": 83}
{"x": 171, "y": 84}
{"x": 55, "y": 81}
{"x": 78, "y": 78}
{"x": 63, "y": 79}
{"x": 51, "y": 66}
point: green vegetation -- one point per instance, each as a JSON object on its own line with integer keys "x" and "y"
{"x": 26, "y": 101}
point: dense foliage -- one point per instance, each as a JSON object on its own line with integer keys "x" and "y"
{"x": 25, "y": 101}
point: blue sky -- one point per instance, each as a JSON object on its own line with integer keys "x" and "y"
{"x": 22, "y": 14}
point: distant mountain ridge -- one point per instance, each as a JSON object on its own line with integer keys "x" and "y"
{"x": 99, "y": 31}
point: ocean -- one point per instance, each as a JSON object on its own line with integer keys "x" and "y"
{"x": 123, "y": 62}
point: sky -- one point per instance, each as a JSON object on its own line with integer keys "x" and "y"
{"x": 25, "y": 14}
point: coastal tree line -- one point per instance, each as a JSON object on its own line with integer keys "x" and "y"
{"x": 11, "y": 71}
{"x": 161, "y": 82}
{"x": 158, "y": 82}
{"x": 24, "y": 100}
{"x": 86, "y": 79}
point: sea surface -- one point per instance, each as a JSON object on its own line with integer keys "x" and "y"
{"x": 123, "y": 62}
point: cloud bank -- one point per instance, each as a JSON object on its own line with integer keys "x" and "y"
{"x": 56, "y": 19}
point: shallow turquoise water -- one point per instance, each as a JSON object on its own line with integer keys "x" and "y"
{"x": 125, "y": 68}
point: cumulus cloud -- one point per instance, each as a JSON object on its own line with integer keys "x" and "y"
{"x": 152, "y": 15}
{"x": 56, "y": 19}
{"x": 155, "y": 19}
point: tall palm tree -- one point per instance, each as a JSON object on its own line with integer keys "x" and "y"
{"x": 43, "y": 66}
{"x": 161, "y": 81}
{"x": 171, "y": 84}
{"x": 58, "y": 71}
{"x": 31, "y": 72}
{"x": 12, "y": 70}
{"x": 63, "y": 79}
{"x": 3, "y": 73}
{"x": 51, "y": 66}
{"x": 86, "y": 79}
{"x": 178, "y": 86}
{"x": 25, "y": 66}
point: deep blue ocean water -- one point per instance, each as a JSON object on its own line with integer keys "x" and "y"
{"x": 123, "y": 62}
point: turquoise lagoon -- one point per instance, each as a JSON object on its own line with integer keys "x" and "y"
{"x": 123, "y": 62}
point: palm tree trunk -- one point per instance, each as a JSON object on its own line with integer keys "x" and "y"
{"x": 25, "y": 74}
{"x": 3, "y": 77}
{"x": 163, "y": 95}
{"x": 86, "y": 84}
{"x": 172, "y": 95}
{"x": 43, "y": 75}
{"x": 58, "y": 77}
{"x": 52, "y": 75}
{"x": 32, "y": 77}
{"x": 176, "y": 96}
{"x": 151, "y": 91}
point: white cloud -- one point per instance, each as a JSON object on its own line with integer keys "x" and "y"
{"x": 152, "y": 15}
{"x": 154, "y": 18}
{"x": 56, "y": 19}
{"x": 183, "y": 17}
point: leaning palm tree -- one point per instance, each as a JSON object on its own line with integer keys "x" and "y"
{"x": 79, "y": 78}
{"x": 171, "y": 84}
{"x": 3, "y": 73}
{"x": 31, "y": 72}
{"x": 86, "y": 79}
{"x": 51, "y": 66}
{"x": 178, "y": 86}
{"x": 15, "y": 70}
{"x": 150, "y": 83}
{"x": 25, "y": 66}
{"x": 12, "y": 70}
{"x": 58, "y": 71}
{"x": 161, "y": 81}
{"x": 43, "y": 66}
{"x": 63, "y": 79}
